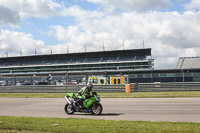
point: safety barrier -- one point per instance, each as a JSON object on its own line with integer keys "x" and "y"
{"x": 58, "y": 89}
{"x": 172, "y": 86}
{"x": 140, "y": 87}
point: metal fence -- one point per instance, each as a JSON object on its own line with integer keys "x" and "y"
{"x": 58, "y": 89}
{"x": 140, "y": 87}
{"x": 172, "y": 86}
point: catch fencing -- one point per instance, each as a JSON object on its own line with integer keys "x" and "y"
{"x": 140, "y": 87}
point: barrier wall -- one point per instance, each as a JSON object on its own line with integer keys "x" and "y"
{"x": 59, "y": 89}
{"x": 140, "y": 87}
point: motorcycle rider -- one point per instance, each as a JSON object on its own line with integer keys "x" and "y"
{"x": 84, "y": 93}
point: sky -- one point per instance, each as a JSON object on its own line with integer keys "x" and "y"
{"x": 171, "y": 28}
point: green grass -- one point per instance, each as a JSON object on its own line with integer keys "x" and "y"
{"x": 109, "y": 95}
{"x": 73, "y": 125}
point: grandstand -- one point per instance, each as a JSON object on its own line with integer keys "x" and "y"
{"x": 188, "y": 62}
{"x": 71, "y": 66}
{"x": 74, "y": 58}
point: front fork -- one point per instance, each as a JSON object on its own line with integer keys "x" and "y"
{"x": 71, "y": 103}
{"x": 67, "y": 99}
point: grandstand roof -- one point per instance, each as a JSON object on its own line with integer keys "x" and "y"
{"x": 188, "y": 62}
{"x": 129, "y": 52}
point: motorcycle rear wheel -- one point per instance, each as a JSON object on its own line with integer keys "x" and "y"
{"x": 96, "y": 110}
{"x": 69, "y": 109}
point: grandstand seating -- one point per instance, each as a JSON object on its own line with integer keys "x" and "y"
{"x": 140, "y": 57}
{"x": 36, "y": 62}
{"x": 109, "y": 59}
{"x": 126, "y": 58}
{"x": 47, "y": 62}
{"x": 63, "y": 61}
{"x": 75, "y": 60}
{"x": 107, "y": 56}
{"x": 98, "y": 59}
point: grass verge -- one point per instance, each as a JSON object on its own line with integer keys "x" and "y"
{"x": 109, "y": 95}
{"x": 74, "y": 125}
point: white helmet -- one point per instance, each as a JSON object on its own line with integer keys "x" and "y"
{"x": 90, "y": 86}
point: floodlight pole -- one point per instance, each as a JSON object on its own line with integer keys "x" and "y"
{"x": 20, "y": 52}
{"x": 85, "y": 47}
{"x": 6, "y": 53}
{"x": 143, "y": 44}
{"x": 35, "y": 51}
{"x": 51, "y": 50}
{"x": 67, "y": 49}
{"x": 123, "y": 45}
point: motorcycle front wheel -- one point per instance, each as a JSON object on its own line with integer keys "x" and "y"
{"x": 69, "y": 109}
{"x": 96, "y": 110}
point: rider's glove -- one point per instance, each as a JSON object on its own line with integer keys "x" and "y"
{"x": 88, "y": 96}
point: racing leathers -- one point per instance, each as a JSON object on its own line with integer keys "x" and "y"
{"x": 84, "y": 93}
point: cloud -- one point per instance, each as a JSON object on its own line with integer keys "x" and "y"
{"x": 193, "y": 4}
{"x": 138, "y": 5}
{"x": 13, "y": 42}
{"x": 80, "y": 14}
{"x": 170, "y": 34}
{"x": 8, "y": 16}
{"x": 75, "y": 39}
{"x": 33, "y": 8}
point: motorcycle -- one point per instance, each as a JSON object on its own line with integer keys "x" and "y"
{"x": 91, "y": 105}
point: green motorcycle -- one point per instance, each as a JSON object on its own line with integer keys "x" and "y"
{"x": 91, "y": 105}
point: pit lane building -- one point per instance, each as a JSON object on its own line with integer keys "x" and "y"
{"x": 136, "y": 64}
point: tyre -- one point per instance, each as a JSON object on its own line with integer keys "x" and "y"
{"x": 69, "y": 109}
{"x": 96, "y": 110}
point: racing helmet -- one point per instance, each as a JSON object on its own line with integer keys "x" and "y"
{"x": 90, "y": 86}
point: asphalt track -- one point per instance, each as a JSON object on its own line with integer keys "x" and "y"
{"x": 131, "y": 109}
